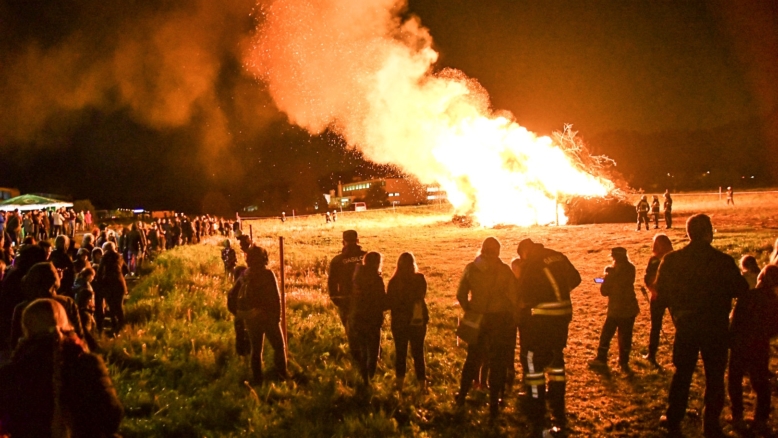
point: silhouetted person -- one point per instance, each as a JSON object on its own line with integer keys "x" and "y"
{"x": 668, "y": 205}
{"x": 64, "y": 264}
{"x": 53, "y": 386}
{"x": 488, "y": 288}
{"x": 619, "y": 286}
{"x": 367, "y": 313}
{"x": 754, "y": 322}
{"x": 111, "y": 288}
{"x": 642, "y": 209}
{"x": 547, "y": 278}
{"x": 749, "y": 268}
{"x": 730, "y": 196}
{"x": 655, "y": 211}
{"x": 340, "y": 281}
{"x": 259, "y": 306}
{"x": 699, "y": 283}
{"x": 405, "y": 294}
{"x": 662, "y": 245}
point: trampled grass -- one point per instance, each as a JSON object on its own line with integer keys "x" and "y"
{"x": 178, "y": 375}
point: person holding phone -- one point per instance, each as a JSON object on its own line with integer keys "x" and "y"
{"x": 619, "y": 286}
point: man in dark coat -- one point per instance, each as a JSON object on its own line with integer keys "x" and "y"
{"x": 698, "y": 283}
{"x": 111, "y": 289}
{"x": 64, "y": 264}
{"x": 340, "y": 281}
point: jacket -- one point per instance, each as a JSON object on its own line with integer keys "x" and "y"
{"x": 62, "y": 261}
{"x": 91, "y": 408}
{"x": 340, "y": 280}
{"x": 261, "y": 293}
{"x": 547, "y": 278}
{"x": 369, "y": 299}
{"x": 698, "y": 283}
{"x": 402, "y": 294}
{"x": 619, "y": 287}
{"x": 110, "y": 274}
{"x": 488, "y": 286}
{"x": 754, "y": 320}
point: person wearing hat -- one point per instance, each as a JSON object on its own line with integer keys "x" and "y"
{"x": 643, "y": 208}
{"x": 546, "y": 280}
{"x": 340, "y": 282}
{"x": 619, "y": 286}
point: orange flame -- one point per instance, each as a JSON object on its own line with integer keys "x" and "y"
{"x": 355, "y": 67}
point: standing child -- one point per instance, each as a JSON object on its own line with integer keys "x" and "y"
{"x": 655, "y": 211}
{"x": 619, "y": 286}
{"x": 367, "y": 314}
{"x": 750, "y": 270}
{"x": 405, "y": 294}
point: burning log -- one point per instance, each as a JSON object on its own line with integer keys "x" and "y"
{"x": 582, "y": 210}
{"x": 463, "y": 220}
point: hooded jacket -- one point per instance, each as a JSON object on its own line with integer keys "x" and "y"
{"x": 340, "y": 281}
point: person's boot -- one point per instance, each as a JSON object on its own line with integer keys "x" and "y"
{"x": 601, "y": 361}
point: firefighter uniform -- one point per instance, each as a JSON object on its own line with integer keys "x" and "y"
{"x": 642, "y": 209}
{"x": 547, "y": 277}
{"x": 340, "y": 281}
{"x": 668, "y": 209}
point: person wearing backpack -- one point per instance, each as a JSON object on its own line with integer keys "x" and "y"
{"x": 754, "y": 322}
{"x": 258, "y": 304}
{"x": 409, "y": 316}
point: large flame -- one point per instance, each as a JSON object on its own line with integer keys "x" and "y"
{"x": 356, "y": 67}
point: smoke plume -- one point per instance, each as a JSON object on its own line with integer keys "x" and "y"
{"x": 365, "y": 71}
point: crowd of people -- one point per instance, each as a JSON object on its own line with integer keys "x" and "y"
{"x": 57, "y": 301}
{"x": 531, "y": 298}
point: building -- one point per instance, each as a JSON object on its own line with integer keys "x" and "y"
{"x": 399, "y": 191}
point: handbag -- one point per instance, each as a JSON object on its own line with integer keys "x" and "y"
{"x": 417, "y": 316}
{"x": 470, "y": 327}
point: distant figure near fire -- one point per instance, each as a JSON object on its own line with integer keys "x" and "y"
{"x": 655, "y": 211}
{"x": 642, "y": 209}
{"x": 340, "y": 282}
{"x": 730, "y": 196}
{"x": 668, "y": 209}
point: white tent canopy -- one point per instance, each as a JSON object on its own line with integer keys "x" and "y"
{"x": 32, "y": 202}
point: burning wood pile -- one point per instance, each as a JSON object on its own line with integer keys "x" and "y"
{"x": 599, "y": 210}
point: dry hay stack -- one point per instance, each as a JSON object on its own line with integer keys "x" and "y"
{"x": 609, "y": 210}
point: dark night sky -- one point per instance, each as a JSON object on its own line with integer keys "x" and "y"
{"x": 146, "y": 103}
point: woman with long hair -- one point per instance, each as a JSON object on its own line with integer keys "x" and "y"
{"x": 662, "y": 245}
{"x": 409, "y": 315}
{"x": 367, "y": 314}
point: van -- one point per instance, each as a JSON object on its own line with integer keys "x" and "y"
{"x": 360, "y": 206}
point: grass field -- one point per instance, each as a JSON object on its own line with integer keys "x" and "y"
{"x": 177, "y": 373}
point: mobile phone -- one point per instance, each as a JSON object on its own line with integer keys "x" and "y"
{"x": 599, "y": 280}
